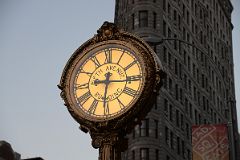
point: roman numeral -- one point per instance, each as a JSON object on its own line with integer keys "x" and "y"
{"x": 120, "y": 57}
{"x": 130, "y": 65}
{"x": 106, "y": 108}
{"x": 96, "y": 62}
{"x": 134, "y": 78}
{"x": 88, "y": 73}
{"x": 82, "y": 86}
{"x": 130, "y": 91}
{"x": 108, "y": 54}
{"x": 120, "y": 104}
{"x": 93, "y": 107}
{"x": 82, "y": 99}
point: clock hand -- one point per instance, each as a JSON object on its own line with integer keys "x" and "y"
{"x": 129, "y": 79}
{"x": 97, "y": 81}
{"x": 107, "y": 75}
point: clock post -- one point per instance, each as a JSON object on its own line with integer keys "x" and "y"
{"x": 108, "y": 85}
{"x": 110, "y": 145}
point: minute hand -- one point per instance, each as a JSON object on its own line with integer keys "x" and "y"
{"x": 132, "y": 78}
{"x": 127, "y": 79}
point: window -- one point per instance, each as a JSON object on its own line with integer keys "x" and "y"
{"x": 178, "y": 145}
{"x": 175, "y": 42}
{"x": 177, "y": 118}
{"x": 156, "y": 128}
{"x": 166, "y": 107}
{"x": 154, "y": 20}
{"x": 174, "y": 15}
{"x": 176, "y": 66}
{"x": 194, "y": 70}
{"x": 164, "y": 5}
{"x": 171, "y": 140}
{"x": 184, "y": 33}
{"x": 187, "y": 130}
{"x": 183, "y": 149}
{"x": 169, "y": 9}
{"x": 190, "y": 87}
{"x": 188, "y": 154}
{"x": 181, "y": 122}
{"x": 164, "y": 54}
{"x": 179, "y": 22}
{"x": 176, "y": 92}
{"x": 201, "y": 37}
{"x": 170, "y": 84}
{"x": 184, "y": 57}
{"x": 133, "y": 21}
{"x": 133, "y": 155}
{"x": 164, "y": 28}
{"x": 143, "y": 19}
{"x": 186, "y": 106}
{"x": 169, "y": 59}
{"x": 194, "y": 93}
{"x": 135, "y": 131}
{"x": 185, "y": 81}
{"x": 203, "y": 85}
{"x": 167, "y": 135}
{"x": 156, "y": 103}
{"x": 189, "y": 63}
{"x": 165, "y": 83}
{"x": 181, "y": 95}
{"x": 170, "y": 112}
{"x": 180, "y": 70}
{"x": 193, "y": 25}
{"x": 196, "y": 117}
{"x": 144, "y": 153}
{"x": 183, "y": 10}
{"x": 198, "y": 98}
{"x": 169, "y": 33}
{"x": 157, "y": 154}
{"x": 144, "y": 128}
{"x": 198, "y": 76}
{"x": 190, "y": 110}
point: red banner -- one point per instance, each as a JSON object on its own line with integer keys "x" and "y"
{"x": 210, "y": 142}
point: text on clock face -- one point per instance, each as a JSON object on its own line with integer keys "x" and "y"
{"x": 113, "y": 68}
{"x": 109, "y": 97}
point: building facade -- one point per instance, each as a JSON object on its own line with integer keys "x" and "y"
{"x": 199, "y": 86}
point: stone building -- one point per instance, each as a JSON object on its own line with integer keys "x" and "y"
{"x": 199, "y": 87}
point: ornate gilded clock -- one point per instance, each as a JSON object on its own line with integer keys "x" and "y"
{"x": 109, "y": 83}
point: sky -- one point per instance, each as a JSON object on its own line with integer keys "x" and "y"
{"x": 36, "y": 40}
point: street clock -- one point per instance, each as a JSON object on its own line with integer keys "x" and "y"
{"x": 109, "y": 84}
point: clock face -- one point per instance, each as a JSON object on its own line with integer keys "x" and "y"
{"x": 107, "y": 81}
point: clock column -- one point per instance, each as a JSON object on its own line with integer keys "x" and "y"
{"x": 110, "y": 145}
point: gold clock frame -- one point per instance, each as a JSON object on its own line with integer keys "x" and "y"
{"x": 110, "y": 132}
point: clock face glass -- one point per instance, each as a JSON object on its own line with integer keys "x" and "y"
{"x": 107, "y": 82}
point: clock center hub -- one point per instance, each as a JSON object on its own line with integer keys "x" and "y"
{"x": 107, "y": 82}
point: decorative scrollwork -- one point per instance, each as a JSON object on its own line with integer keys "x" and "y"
{"x": 108, "y": 31}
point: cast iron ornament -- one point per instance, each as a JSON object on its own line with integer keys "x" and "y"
{"x": 109, "y": 85}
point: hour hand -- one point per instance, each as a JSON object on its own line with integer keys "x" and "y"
{"x": 97, "y": 81}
